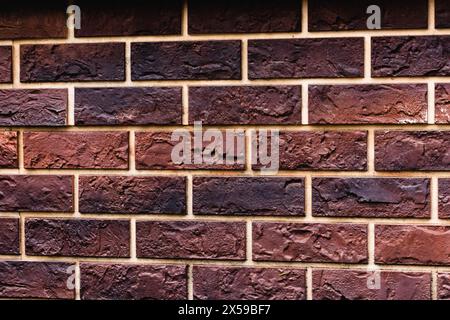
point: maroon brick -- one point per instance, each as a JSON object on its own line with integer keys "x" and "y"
{"x": 371, "y": 104}
{"x": 126, "y": 194}
{"x": 245, "y": 105}
{"x": 128, "y": 106}
{"x": 133, "y": 282}
{"x": 33, "y": 107}
{"x": 355, "y": 285}
{"x": 443, "y": 286}
{"x": 410, "y": 56}
{"x": 9, "y": 237}
{"x": 331, "y": 15}
{"x": 8, "y": 149}
{"x": 44, "y": 280}
{"x": 371, "y": 197}
{"x": 76, "y": 150}
{"x": 36, "y": 193}
{"x": 412, "y": 244}
{"x": 131, "y": 18}
{"x": 186, "y": 60}
{"x": 5, "y": 64}
{"x": 442, "y": 109}
{"x": 412, "y": 150}
{"x": 278, "y": 196}
{"x": 190, "y": 240}
{"x": 78, "y": 238}
{"x": 72, "y": 62}
{"x": 239, "y": 283}
{"x": 244, "y": 16}
{"x": 442, "y": 11}
{"x": 306, "y": 58}
{"x": 336, "y": 243}
{"x": 444, "y": 198}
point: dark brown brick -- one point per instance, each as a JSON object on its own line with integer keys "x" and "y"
{"x": 9, "y": 237}
{"x": 72, "y": 62}
{"x": 78, "y": 238}
{"x": 126, "y": 194}
{"x": 245, "y": 105}
{"x": 33, "y": 107}
{"x": 443, "y": 286}
{"x": 410, "y": 56}
{"x": 244, "y": 16}
{"x": 5, "y": 64}
{"x": 76, "y": 150}
{"x": 306, "y": 58}
{"x": 249, "y": 196}
{"x": 442, "y": 14}
{"x": 128, "y": 106}
{"x": 240, "y": 283}
{"x": 191, "y": 240}
{"x": 357, "y": 285}
{"x": 336, "y": 243}
{"x": 186, "y": 60}
{"x": 36, "y": 193}
{"x": 371, "y": 197}
{"x": 44, "y": 280}
{"x": 8, "y": 149}
{"x": 412, "y": 150}
{"x": 371, "y": 104}
{"x": 444, "y": 198}
{"x": 442, "y": 111}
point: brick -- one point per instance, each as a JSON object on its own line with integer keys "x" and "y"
{"x": 78, "y": 238}
{"x": 443, "y": 283}
{"x": 335, "y": 243}
{"x": 128, "y": 106}
{"x": 353, "y": 285}
{"x": 412, "y": 150}
{"x": 245, "y": 105}
{"x": 5, "y": 64}
{"x": 410, "y": 56}
{"x": 240, "y": 283}
{"x": 186, "y": 60}
{"x": 320, "y": 150}
{"x": 244, "y": 16}
{"x": 76, "y": 150}
{"x": 36, "y": 193}
{"x": 412, "y": 244}
{"x": 8, "y": 149}
{"x": 330, "y": 15}
{"x": 33, "y": 107}
{"x": 40, "y": 280}
{"x": 154, "y": 152}
{"x": 442, "y": 10}
{"x": 126, "y": 194}
{"x": 277, "y": 196}
{"x": 306, "y": 58}
{"x": 131, "y": 18}
{"x": 442, "y": 108}
{"x": 444, "y": 198}
{"x": 191, "y": 240}
{"x": 371, "y": 197}
{"x": 72, "y": 62}
{"x": 9, "y": 237}
{"x": 368, "y": 104}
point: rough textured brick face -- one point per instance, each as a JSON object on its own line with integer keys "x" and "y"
{"x": 128, "y": 106}
{"x": 91, "y": 150}
{"x": 443, "y": 286}
{"x": 191, "y": 240}
{"x": 249, "y": 196}
{"x": 412, "y": 150}
{"x": 5, "y": 64}
{"x": 245, "y": 105}
{"x": 352, "y": 285}
{"x": 8, "y": 149}
{"x": 442, "y": 14}
{"x": 442, "y": 99}
{"x": 36, "y": 193}
{"x": 336, "y": 243}
{"x": 126, "y": 194}
{"x": 238, "y": 283}
{"x": 371, "y": 197}
{"x": 371, "y": 104}
{"x": 9, "y": 237}
{"x": 133, "y": 282}
{"x": 444, "y": 198}
{"x": 411, "y": 56}
{"x": 306, "y": 58}
{"x": 187, "y": 60}
{"x": 72, "y": 62}
{"x": 408, "y": 244}
{"x": 82, "y": 238}
{"x": 244, "y": 16}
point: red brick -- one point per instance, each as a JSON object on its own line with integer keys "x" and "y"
{"x": 8, "y": 149}
{"x": 444, "y": 198}
{"x": 443, "y": 286}
{"x": 5, "y": 64}
{"x": 9, "y": 237}
{"x": 442, "y": 14}
{"x": 442, "y": 103}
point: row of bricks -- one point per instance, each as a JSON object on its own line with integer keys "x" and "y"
{"x": 408, "y": 56}
{"x": 48, "y": 20}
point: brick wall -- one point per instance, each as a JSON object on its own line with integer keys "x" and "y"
{"x": 86, "y": 178}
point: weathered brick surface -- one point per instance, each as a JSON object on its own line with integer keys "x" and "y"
{"x": 444, "y": 198}
{"x": 443, "y": 286}
{"x": 8, "y": 149}
{"x": 442, "y": 14}
{"x": 9, "y": 236}
{"x": 442, "y": 99}
{"x": 5, "y": 64}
